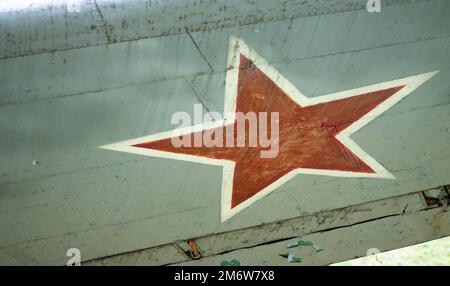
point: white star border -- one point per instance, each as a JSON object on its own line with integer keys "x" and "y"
{"x": 236, "y": 47}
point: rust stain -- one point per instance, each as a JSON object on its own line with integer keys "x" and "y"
{"x": 430, "y": 201}
{"x": 194, "y": 249}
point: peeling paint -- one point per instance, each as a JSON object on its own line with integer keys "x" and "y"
{"x": 300, "y": 243}
{"x": 291, "y": 258}
{"x": 233, "y": 262}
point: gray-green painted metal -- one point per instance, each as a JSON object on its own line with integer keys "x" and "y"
{"x": 70, "y": 82}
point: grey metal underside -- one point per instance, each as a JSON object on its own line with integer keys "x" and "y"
{"x": 71, "y": 88}
{"x": 335, "y": 235}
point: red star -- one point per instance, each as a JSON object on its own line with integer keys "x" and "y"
{"x": 306, "y": 140}
{"x": 314, "y": 133}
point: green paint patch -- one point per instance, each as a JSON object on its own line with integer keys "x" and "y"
{"x": 304, "y": 244}
{"x": 300, "y": 243}
{"x": 233, "y": 262}
{"x": 317, "y": 249}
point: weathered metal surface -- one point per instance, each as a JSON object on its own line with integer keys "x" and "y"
{"x": 55, "y": 25}
{"x": 56, "y": 74}
{"x": 341, "y": 244}
{"x": 90, "y": 70}
{"x": 215, "y": 248}
{"x": 59, "y": 190}
{"x": 46, "y": 26}
{"x": 351, "y": 33}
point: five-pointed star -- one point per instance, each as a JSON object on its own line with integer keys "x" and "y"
{"x": 313, "y": 132}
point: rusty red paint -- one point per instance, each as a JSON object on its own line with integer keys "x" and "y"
{"x": 306, "y": 134}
